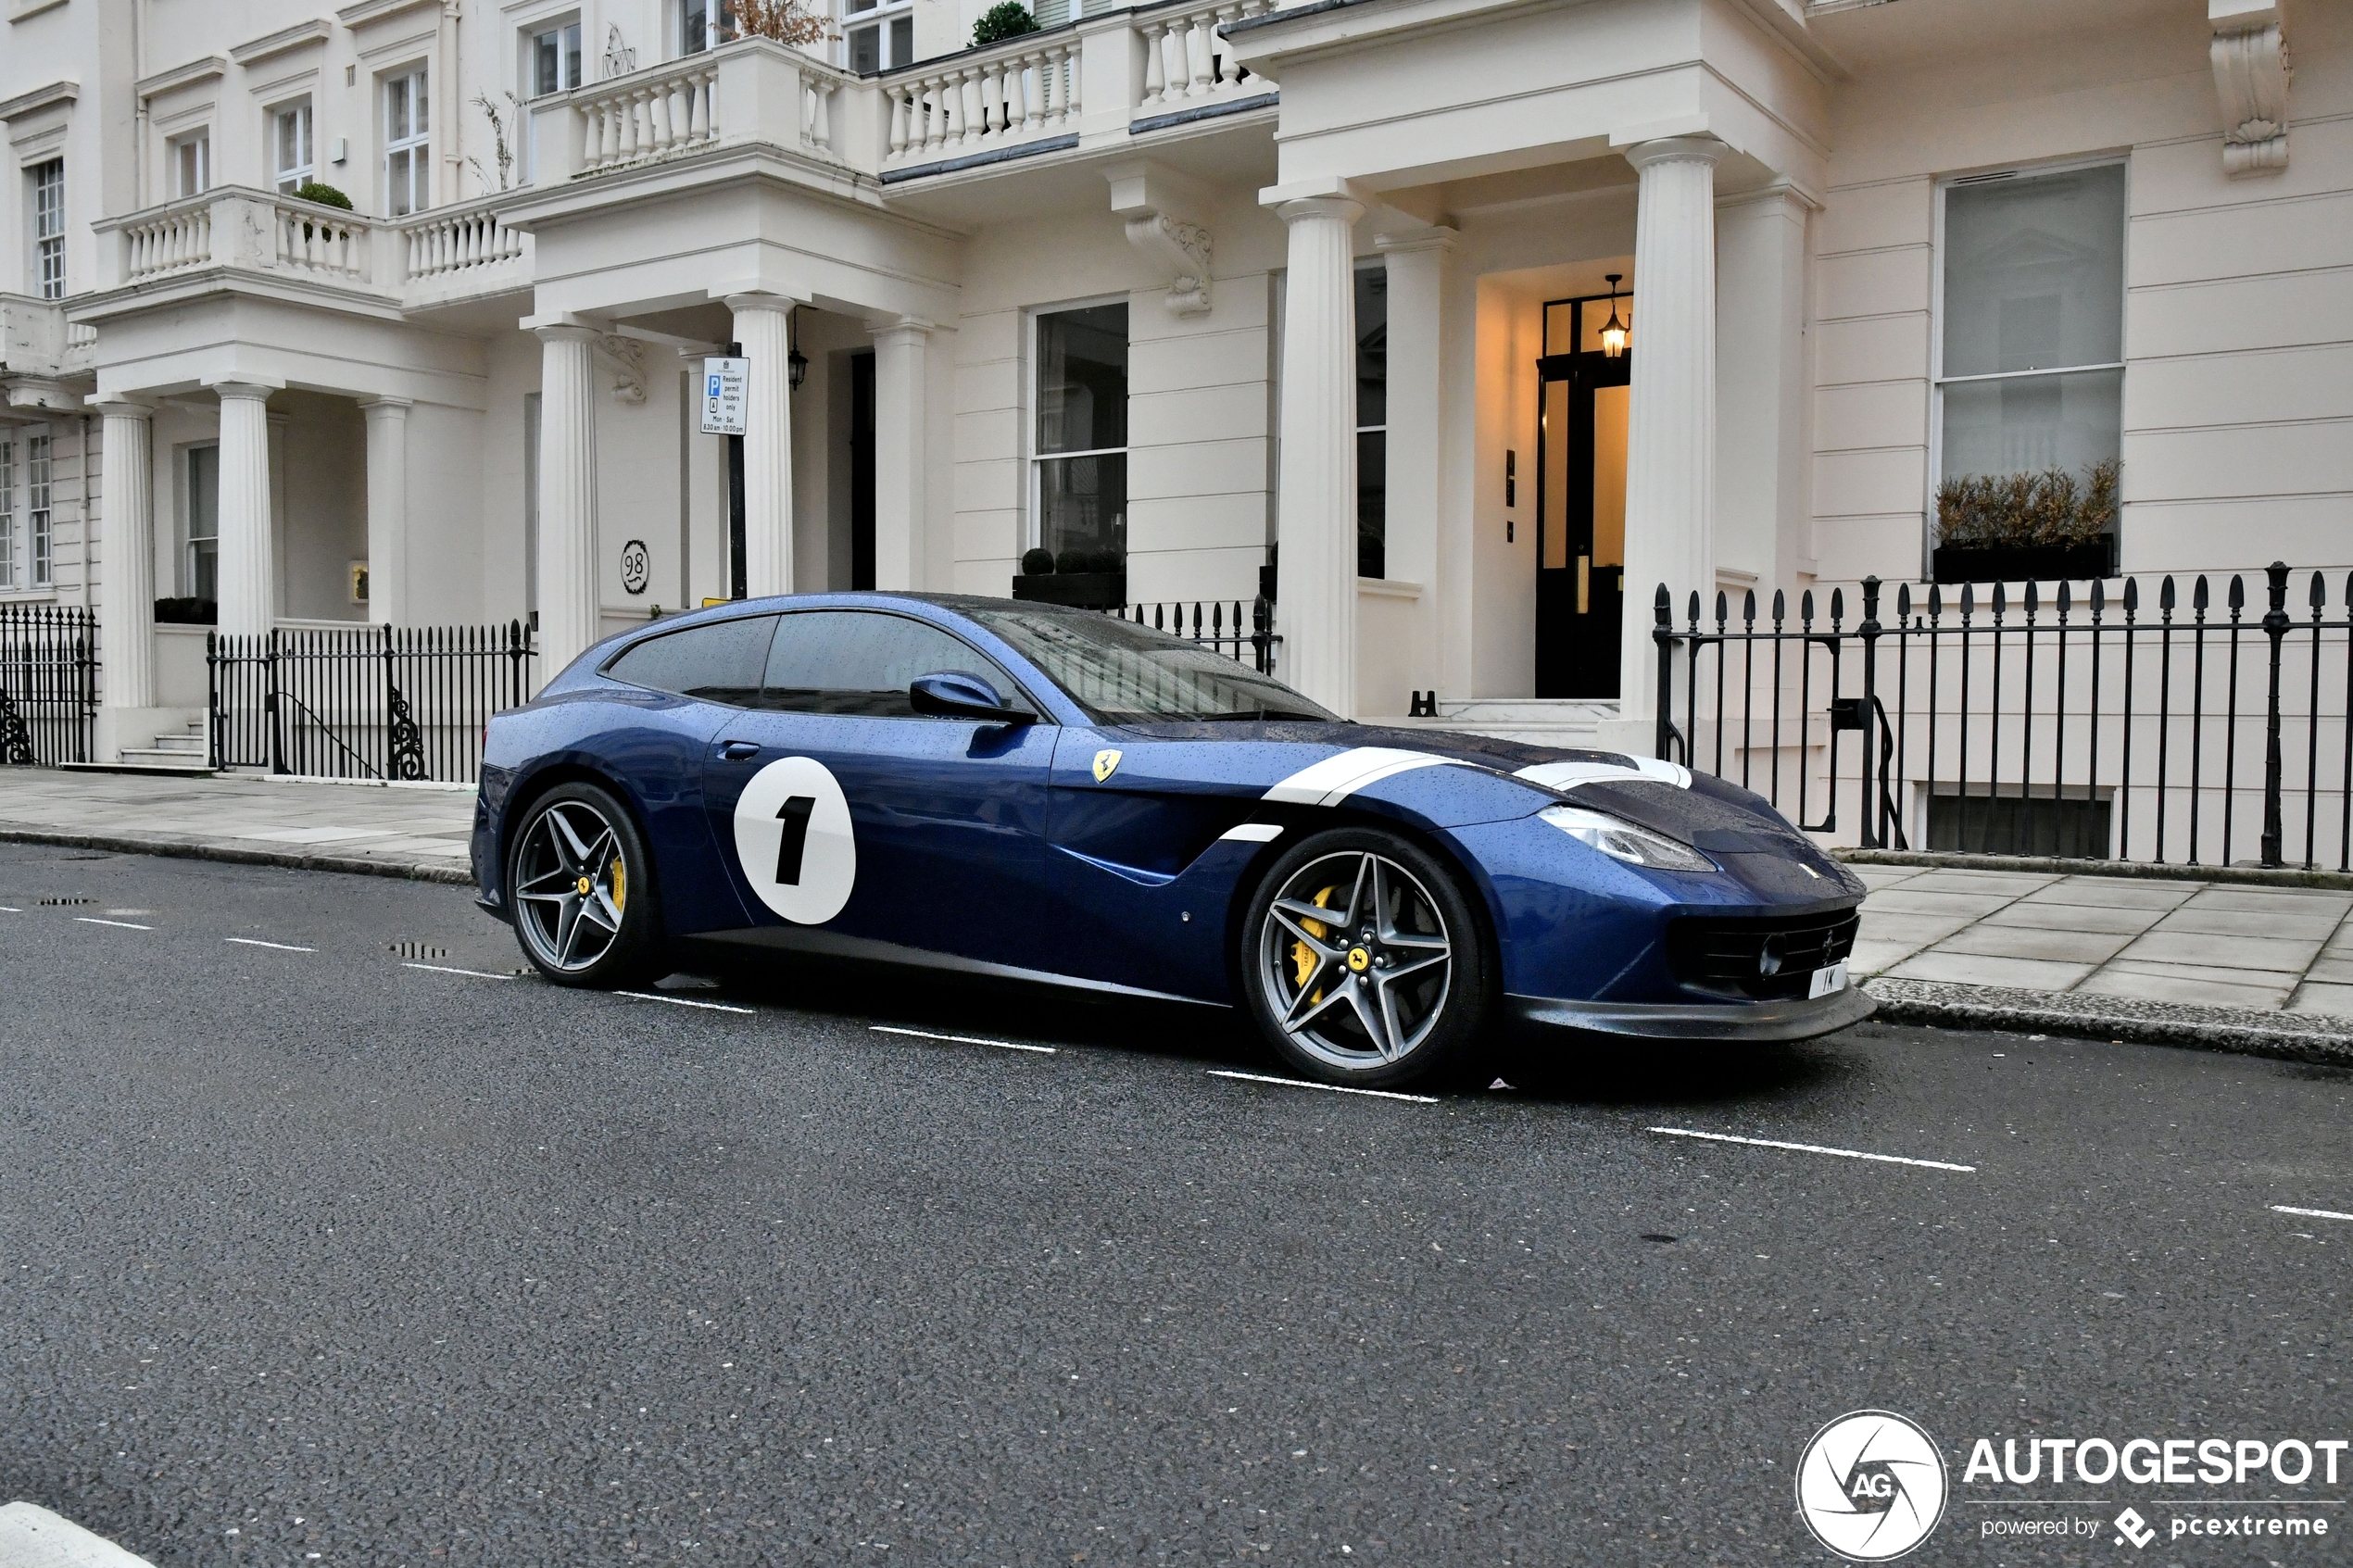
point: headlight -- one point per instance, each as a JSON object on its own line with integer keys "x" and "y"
{"x": 1626, "y": 842}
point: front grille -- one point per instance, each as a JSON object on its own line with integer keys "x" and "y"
{"x": 1761, "y": 957}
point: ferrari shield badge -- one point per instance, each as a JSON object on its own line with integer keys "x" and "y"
{"x": 1106, "y": 762}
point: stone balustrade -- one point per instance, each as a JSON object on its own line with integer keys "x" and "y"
{"x": 753, "y": 90}
{"x": 464, "y": 239}
{"x": 323, "y": 242}
{"x": 1188, "y": 65}
{"x": 1022, "y": 90}
{"x": 167, "y": 239}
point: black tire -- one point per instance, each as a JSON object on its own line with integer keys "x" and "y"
{"x": 580, "y": 887}
{"x": 1415, "y": 984}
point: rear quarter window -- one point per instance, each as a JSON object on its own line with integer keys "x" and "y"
{"x": 721, "y": 661}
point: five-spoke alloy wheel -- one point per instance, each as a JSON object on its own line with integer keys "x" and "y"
{"x": 580, "y": 890}
{"x": 1364, "y": 962}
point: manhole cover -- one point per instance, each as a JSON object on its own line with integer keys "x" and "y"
{"x": 74, "y": 901}
{"x": 419, "y": 950}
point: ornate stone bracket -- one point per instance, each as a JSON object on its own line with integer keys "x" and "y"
{"x": 2251, "y": 76}
{"x": 626, "y": 357}
{"x": 1162, "y": 210}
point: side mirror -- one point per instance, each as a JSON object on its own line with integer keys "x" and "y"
{"x": 953, "y": 695}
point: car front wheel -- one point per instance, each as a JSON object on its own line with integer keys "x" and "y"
{"x": 1364, "y": 962}
{"x": 581, "y": 888}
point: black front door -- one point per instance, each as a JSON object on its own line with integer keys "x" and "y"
{"x": 1580, "y": 506}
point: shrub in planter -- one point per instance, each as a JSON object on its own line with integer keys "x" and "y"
{"x": 1090, "y": 579}
{"x": 2007, "y": 527}
{"x": 325, "y": 195}
{"x": 1037, "y": 564}
{"x": 187, "y": 612}
{"x": 1008, "y": 18}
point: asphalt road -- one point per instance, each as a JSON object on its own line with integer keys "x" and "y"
{"x": 308, "y": 1255}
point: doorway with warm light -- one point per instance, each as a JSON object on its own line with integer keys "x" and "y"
{"x": 1583, "y": 382}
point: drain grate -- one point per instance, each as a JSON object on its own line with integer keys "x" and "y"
{"x": 74, "y": 902}
{"x": 419, "y": 950}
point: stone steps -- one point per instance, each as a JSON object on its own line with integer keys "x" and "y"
{"x": 1572, "y": 723}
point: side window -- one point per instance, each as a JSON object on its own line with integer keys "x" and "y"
{"x": 861, "y": 663}
{"x": 720, "y": 662}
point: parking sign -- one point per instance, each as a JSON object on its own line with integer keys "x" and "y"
{"x": 723, "y": 396}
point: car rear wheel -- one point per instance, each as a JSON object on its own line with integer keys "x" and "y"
{"x": 581, "y": 888}
{"x": 1364, "y": 962}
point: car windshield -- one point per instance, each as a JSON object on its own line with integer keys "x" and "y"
{"x": 1122, "y": 673}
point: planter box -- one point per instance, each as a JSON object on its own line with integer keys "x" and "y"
{"x": 1085, "y": 590}
{"x": 2026, "y": 563}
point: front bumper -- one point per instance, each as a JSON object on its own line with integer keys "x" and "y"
{"x": 1760, "y": 1023}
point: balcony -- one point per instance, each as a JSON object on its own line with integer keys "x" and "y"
{"x": 36, "y": 340}
{"x": 428, "y": 259}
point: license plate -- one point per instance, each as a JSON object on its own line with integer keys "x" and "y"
{"x": 1828, "y": 980}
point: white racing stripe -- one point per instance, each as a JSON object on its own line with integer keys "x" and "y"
{"x": 961, "y": 1039}
{"x": 124, "y": 924}
{"x": 445, "y": 969}
{"x": 1331, "y": 1088}
{"x": 1813, "y": 1149}
{"x": 1336, "y": 778}
{"x": 684, "y": 1002}
{"x": 1254, "y": 833}
{"x": 1569, "y": 775}
{"x": 2309, "y": 1213}
{"x": 277, "y": 947}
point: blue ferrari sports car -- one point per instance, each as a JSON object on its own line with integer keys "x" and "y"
{"x": 1033, "y": 792}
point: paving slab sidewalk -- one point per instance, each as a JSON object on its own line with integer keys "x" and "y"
{"x": 396, "y": 830}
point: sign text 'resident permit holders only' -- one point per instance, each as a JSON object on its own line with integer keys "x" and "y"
{"x": 722, "y": 395}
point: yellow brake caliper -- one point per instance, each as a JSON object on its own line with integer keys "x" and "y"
{"x": 1302, "y": 957}
{"x": 620, "y": 882}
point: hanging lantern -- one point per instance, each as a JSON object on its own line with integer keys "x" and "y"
{"x": 796, "y": 362}
{"x": 1615, "y": 333}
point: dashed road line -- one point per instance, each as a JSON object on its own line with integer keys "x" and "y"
{"x": 961, "y": 1039}
{"x": 257, "y": 942}
{"x": 9, "y": 910}
{"x": 1815, "y": 1148}
{"x": 1329, "y": 1088}
{"x": 682, "y": 1002}
{"x": 444, "y": 968}
{"x": 2309, "y": 1213}
{"x": 124, "y": 924}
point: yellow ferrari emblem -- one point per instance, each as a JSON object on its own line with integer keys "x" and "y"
{"x": 1359, "y": 959}
{"x": 1106, "y": 764}
{"x": 585, "y": 886}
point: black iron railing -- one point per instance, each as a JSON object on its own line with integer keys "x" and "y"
{"x": 1242, "y": 630}
{"x": 49, "y": 684}
{"x": 2184, "y": 726}
{"x": 374, "y": 702}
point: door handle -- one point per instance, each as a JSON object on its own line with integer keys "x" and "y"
{"x": 739, "y": 751}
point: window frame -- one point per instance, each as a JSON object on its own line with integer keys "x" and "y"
{"x": 556, "y": 26}
{"x": 304, "y": 113}
{"x": 176, "y": 148}
{"x": 718, "y": 16}
{"x": 40, "y": 496}
{"x": 884, "y": 17}
{"x": 417, "y": 80}
{"x": 8, "y": 572}
{"x": 48, "y": 257}
{"x": 1365, "y": 267}
{"x": 1033, "y": 398}
{"x": 190, "y": 578}
{"x": 1938, "y": 380}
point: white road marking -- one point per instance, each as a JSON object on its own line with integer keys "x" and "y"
{"x": 1335, "y": 1088}
{"x": 443, "y": 969}
{"x": 682, "y": 1002}
{"x": 11, "y": 908}
{"x": 961, "y": 1039}
{"x": 1814, "y": 1148}
{"x": 257, "y": 942}
{"x": 2309, "y": 1213}
{"x": 127, "y": 925}
{"x": 1255, "y": 832}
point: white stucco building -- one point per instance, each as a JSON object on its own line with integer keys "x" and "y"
{"x": 1183, "y": 280}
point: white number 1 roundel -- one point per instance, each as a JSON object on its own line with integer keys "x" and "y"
{"x": 794, "y": 841}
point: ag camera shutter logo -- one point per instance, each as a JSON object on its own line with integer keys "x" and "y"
{"x": 1872, "y": 1486}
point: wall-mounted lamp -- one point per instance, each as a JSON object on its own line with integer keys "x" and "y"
{"x": 1614, "y": 331}
{"x": 796, "y": 362}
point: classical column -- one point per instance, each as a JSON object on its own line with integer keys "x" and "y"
{"x": 763, "y": 325}
{"x": 387, "y": 509}
{"x": 1671, "y": 441}
{"x": 248, "y": 602}
{"x": 1419, "y": 268}
{"x": 567, "y": 495}
{"x": 127, "y": 592}
{"x": 901, "y": 391}
{"x": 1760, "y": 388}
{"x": 1316, "y": 525}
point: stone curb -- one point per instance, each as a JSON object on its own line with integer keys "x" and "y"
{"x": 2289, "y": 1036}
{"x": 194, "y": 849}
{"x": 32, "y": 1536}
{"x": 2338, "y": 882}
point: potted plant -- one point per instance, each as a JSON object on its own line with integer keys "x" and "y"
{"x": 2016, "y": 527}
{"x": 1090, "y": 580}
